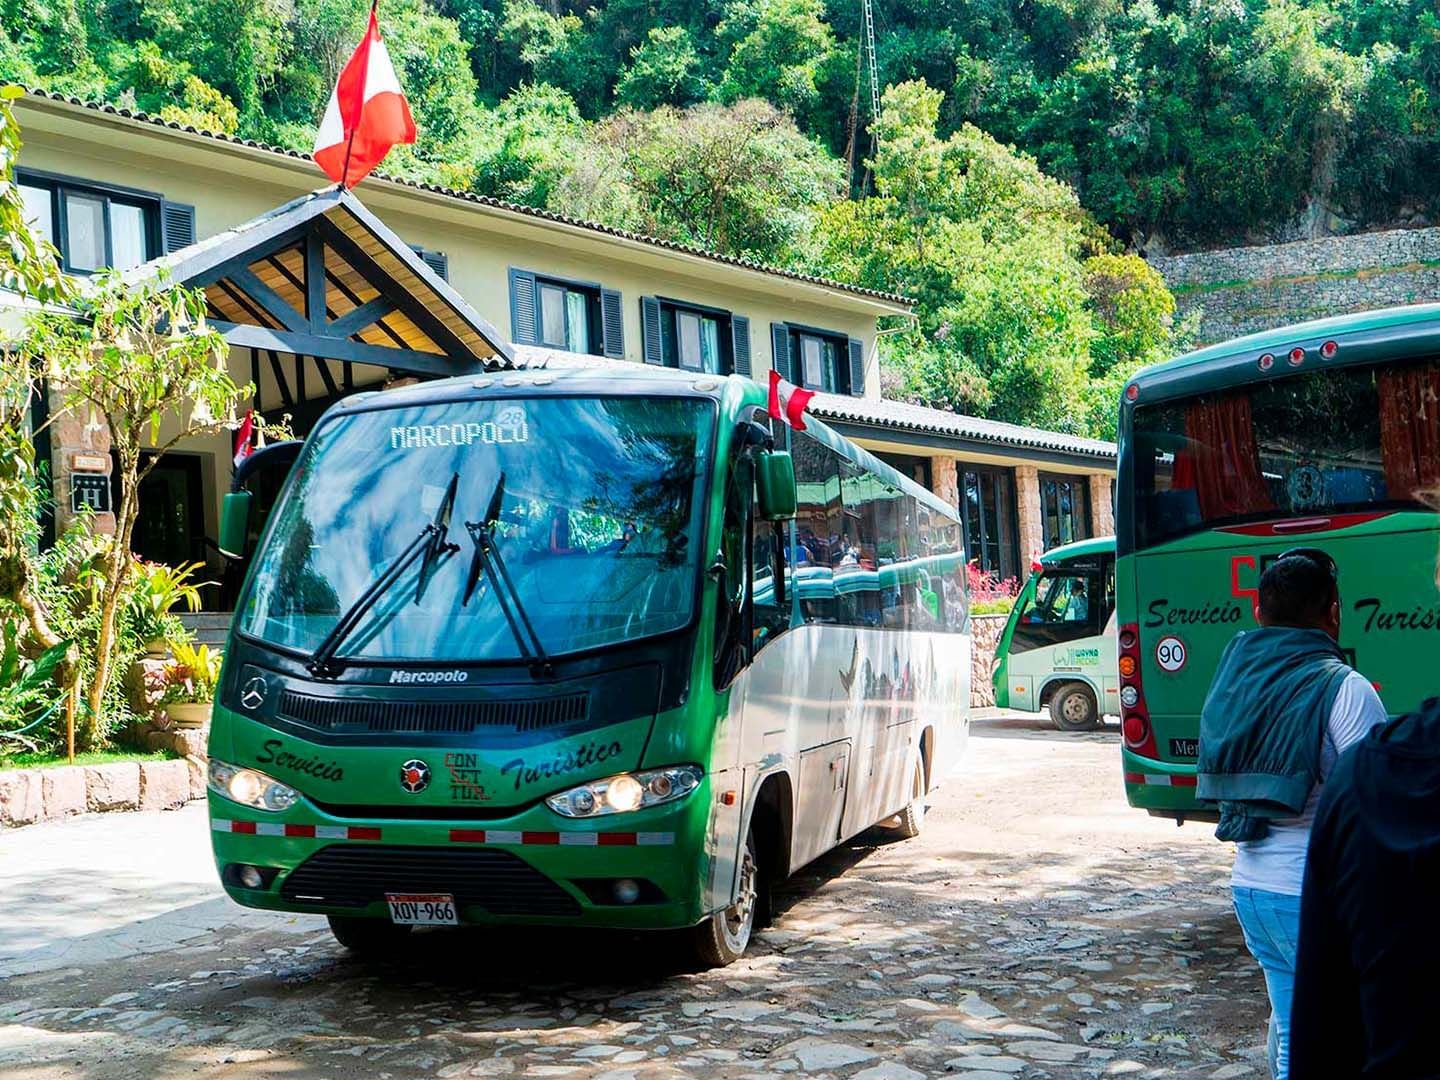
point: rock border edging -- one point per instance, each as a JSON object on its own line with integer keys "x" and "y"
{"x": 30, "y": 796}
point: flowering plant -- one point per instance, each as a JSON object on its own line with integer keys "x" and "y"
{"x": 191, "y": 677}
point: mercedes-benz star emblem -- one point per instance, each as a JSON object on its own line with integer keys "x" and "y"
{"x": 252, "y": 694}
{"x": 414, "y": 776}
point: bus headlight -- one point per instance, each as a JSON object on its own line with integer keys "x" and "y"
{"x": 626, "y": 792}
{"x": 250, "y": 787}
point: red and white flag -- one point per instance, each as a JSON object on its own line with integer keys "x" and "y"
{"x": 367, "y": 114}
{"x": 788, "y": 401}
{"x": 244, "y": 438}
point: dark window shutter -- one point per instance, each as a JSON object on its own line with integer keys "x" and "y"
{"x": 780, "y": 349}
{"x": 740, "y": 330}
{"x": 650, "y": 330}
{"x": 177, "y": 225}
{"x": 524, "y": 324}
{"x": 438, "y": 262}
{"x": 857, "y": 367}
{"x": 612, "y": 324}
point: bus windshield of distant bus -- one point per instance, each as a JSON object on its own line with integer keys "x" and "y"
{"x": 1326, "y": 442}
{"x": 594, "y": 506}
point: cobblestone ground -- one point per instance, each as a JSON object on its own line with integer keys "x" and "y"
{"x": 1038, "y": 928}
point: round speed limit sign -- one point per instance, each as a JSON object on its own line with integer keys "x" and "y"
{"x": 1170, "y": 654}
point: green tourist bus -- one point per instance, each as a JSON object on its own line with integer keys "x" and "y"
{"x": 1325, "y": 435}
{"x": 577, "y": 648}
{"x": 1057, "y": 650}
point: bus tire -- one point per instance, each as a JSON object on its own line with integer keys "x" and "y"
{"x": 722, "y": 938}
{"x": 912, "y": 819}
{"x": 368, "y": 937}
{"x": 1072, "y": 708}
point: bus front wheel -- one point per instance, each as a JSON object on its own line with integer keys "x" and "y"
{"x": 722, "y": 938}
{"x": 1072, "y": 708}
{"x": 368, "y": 937}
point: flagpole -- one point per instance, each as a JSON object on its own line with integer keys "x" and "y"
{"x": 350, "y": 142}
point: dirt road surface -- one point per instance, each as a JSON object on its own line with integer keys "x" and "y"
{"x": 1038, "y": 928}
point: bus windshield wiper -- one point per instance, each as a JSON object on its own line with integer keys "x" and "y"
{"x": 487, "y": 558}
{"x": 429, "y": 545}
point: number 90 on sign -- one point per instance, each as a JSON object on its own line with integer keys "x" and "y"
{"x": 1170, "y": 654}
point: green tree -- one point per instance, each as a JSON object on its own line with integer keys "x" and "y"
{"x": 140, "y": 355}
{"x": 739, "y": 179}
{"x": 665, "y": 70}
{"x": 779, "y": 48}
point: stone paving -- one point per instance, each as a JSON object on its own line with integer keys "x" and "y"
{"x": 1038, "y": 928}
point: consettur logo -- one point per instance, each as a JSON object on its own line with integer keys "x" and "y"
{"x": 428, "y": 676}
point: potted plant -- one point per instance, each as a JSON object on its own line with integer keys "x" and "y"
{"x": 189, "y": 685}
{"x": 156, "y": 591}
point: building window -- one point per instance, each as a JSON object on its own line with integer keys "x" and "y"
{"x": 987, "y": 509}
{"x": 569, "y": 315}
{"x": 916, "y": 468}
{"x": 92, "y": 226}
{"x": 1064, "y": 509}
{"x": 694, "y": 339}
{"x": 578, "y": 316}
{"x": 819, "y": 361}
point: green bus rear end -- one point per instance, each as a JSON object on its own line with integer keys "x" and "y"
{"x": 1325, "y": 435}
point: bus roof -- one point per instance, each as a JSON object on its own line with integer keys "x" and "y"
{"x": 621, "y": 378}
{"x": 1096, "y": 545}
{"x": 1381, "y": 335}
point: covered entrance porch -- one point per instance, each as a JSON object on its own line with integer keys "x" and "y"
{"x": 318, "y": 300}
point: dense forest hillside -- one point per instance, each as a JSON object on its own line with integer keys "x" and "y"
{"x": 1021, "y": 146}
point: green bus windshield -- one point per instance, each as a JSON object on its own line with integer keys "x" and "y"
{"x": 1349, "y": 439}
{"x": 599, "y": 526}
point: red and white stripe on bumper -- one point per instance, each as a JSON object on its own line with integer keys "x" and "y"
{"x": 564, "y": 839}
{"x": 457, "y": 836}
{"x": 1159, "y": 779}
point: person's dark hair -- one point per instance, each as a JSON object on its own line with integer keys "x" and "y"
{"x": 1296, "y": 591}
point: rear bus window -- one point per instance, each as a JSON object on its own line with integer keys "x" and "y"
{"x": 1347, "y": 439}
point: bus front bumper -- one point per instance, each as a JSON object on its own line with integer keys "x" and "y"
{"x": 644, "y": 873}
{"x": 1159, "y": 785}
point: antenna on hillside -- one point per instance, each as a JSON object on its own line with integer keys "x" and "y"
{"x": 865, "y": 65}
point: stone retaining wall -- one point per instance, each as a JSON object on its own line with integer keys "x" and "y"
{"x": 985, "y": 633}
{"x": 1242, "y": 290}
{"x": 28, "y": 796}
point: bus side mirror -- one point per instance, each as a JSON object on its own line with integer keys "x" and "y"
{"x": 775, "y": 485}
{"x": 235, "y": 524}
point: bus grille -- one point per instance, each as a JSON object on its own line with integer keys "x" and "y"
{"x": 432, "y": 717}
{"x": 354, "y": 875}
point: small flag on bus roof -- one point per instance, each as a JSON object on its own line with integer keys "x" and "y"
{"x": 367, "y": 114}
{"x": 788, "y": 401}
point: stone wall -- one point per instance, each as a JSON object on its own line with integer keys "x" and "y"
{"x": 985, "y": 631}
{"x": 31, "y": 795}
{"x": 1241, "y": 290}
{"x": 1102, "y": 505}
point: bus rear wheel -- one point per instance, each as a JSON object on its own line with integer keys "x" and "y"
{"x": 911, "y": 820}
{"x": 1072, "y": 708}
{"x": 368, "y": 937}
{"x": 723, "y": 937}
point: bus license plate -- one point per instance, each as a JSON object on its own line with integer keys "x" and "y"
{"x": 422, "y": 909}
{"x": 1184, "y": 747}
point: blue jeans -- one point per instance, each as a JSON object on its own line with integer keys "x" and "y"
{"x": 1270, "y": 922}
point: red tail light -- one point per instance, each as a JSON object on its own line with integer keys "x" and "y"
{"x": 1135, "y": 723}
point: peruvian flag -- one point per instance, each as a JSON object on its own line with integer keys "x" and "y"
{"x": 366, "y": 116}
{"x": 244, "y": 438}
{"x": 788, "y": 401}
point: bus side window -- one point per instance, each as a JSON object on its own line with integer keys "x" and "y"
{"x": 819, "y": 545}
{"x": 734, "y": 582}
{"x": 769, "y": 617}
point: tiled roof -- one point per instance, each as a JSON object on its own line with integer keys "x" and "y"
{"x": 898, "y": 415}
{"x": 486, "y": 200}
{"x": 903, "y": 416}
